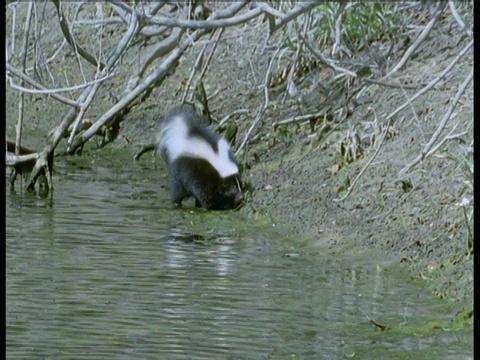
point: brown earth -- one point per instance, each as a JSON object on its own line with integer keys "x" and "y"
{"x": 296, "y": 172}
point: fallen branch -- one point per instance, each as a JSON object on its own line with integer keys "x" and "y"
{"x": 206, "y": 24}
{"x": 426, "y": 150}
{"x": 433, "y": 82}
{"x": 384, "y": 83}
{"x": 24, "y": 159}
{"x": 328, "y": 62}
{"x": 420, "y": 38}
{"x": 44, "y": 163}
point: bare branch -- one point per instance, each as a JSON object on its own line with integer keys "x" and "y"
{"x": 267, "y": 98}
{"x": 160, "y": 49}
{"x": 156, "y": 77}
{"x": 194, "y": 70}
{"x": 299, "y": 9}
{"x": 291, "y": 88}
{"x": 108, "y": 21}
{"x": 81, "y": 113}
{"x": 420, "y": 38}
{"x": 124, "y": 42}
{"x": 54, "y": 91}
{"x": 199, "y": 62}
{"x": 23, "y": 60}
{"x": 449, "y": 136}
{"x": 222, "y": 21}
{"x": 206, "y": 24}
{"x": 68, "y": 36}
{"x": 328, "y": 62}
{"x": 457, "y": 17}
{"x": 13, "y": 160}
{"x": 228, "y": 116}
{"x": 377, "y": 150}
{"x": 392, "y": 85}
{"x": 426, "y": 150}
{"x": 434, "y": 81}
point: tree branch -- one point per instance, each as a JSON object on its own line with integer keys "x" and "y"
{"x": 426, "y": 150}
{"x": 420, "y": 38}
{"x": 68, "y": 36}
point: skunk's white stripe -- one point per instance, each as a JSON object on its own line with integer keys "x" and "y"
{"x": 175, "y": 140}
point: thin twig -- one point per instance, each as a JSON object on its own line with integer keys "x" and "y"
{"x": 434, "y": 81}
{"x": 199, "y": 63}
{"x": 328, "y": 62}
{"x": 402, "y": 199}
{"x": 415, "y": 116}
{"x": 108, "y": 21}
{"x": 300, "y": 8}
{"x": 470, "y": 234}
{"x": 81, "y": 113}
{"x": 210, "y": 55}
{"x": 228, "y": 116}
{"x": 50, "y": 59}
{"x": 28, "y": 80}
{"x": 298, "y": 118}
{"x": 352, "y": 185}
{"x": 68, "y": 36}
{"x": 291, "y": 88}
{"x": 457, "y": 17}
{"x": 449, "y": 136}
{"x": 384, "y": 83}
{"x": 54, "y": 91}
{"x": 192, "y": 73}
{"x": 23, "y": 59}
{"x": 380, "y": 326}
{"x": 267, "y": 98}
{"x": 420, "y": 38}
{"x": 426, "y": 150}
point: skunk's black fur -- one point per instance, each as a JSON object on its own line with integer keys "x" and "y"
{"x": 200, "y": 162}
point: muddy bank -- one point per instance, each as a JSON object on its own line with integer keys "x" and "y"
{"x": 297, "y": 175}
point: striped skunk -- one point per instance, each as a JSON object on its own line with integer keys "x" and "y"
{"x": 200, "y": 162}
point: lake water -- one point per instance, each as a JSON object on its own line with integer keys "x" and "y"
{"x": 106, "y": 269}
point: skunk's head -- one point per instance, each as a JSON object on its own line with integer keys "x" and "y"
{"x": 229, "y": 194}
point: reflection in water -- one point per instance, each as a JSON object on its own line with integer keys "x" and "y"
{"x": 101, "y": 270}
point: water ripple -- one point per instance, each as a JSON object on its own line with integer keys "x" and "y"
{"x": 103, "y": 270}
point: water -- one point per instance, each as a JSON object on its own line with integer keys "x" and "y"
{"x": 105, "y": 269}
